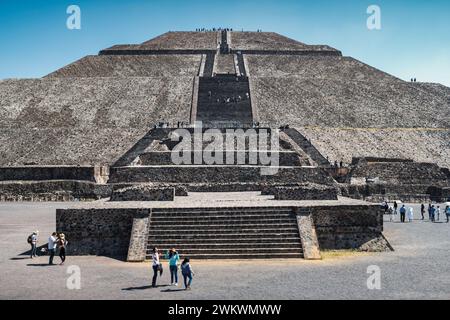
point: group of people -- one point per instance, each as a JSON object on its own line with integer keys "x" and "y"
{"x": 55, "y": 242}
{"x": 213, "y": 29}
{"x": 434, "y": 212}
{"x": 174, "y": 258}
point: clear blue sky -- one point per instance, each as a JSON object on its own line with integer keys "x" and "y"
{"x": 414, "y": 40}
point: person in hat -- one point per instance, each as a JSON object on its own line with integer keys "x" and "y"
{"x": 62, "y": 244}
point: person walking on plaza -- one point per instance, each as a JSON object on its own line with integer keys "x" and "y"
{"x": 386, "y": 207}
{"x": 62, "y": 244}
{"x": 429, "y": 212}
{"x": 395, "y": 207}
{"x": 51, "y": 247}
{"x": 432, "y": 214}
{"x": 33, "y": 240}
{"x": 447, "y": 213}
{"x": 410, "y": 214}
{"x": 156, "y": 265}
{"x": 422, "y": 211}
{"x": 438, "y": 213}
{"x": 402, "y": 213}
{"x": 391, "y": 214}
{"x": 187, "y": 272}
{"x": 174, "y": 259}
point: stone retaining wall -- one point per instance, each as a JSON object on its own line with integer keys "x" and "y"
{"x": 350, "y": 227}
{"x": 104, "y": 232}
{"x": 143, "y": 193}
{"x": 55, "y": 190}
{"x": 217, "y": 174}
{"x": 306, "y": 192}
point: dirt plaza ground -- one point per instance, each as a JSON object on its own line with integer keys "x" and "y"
{"x": 419, "y": 268}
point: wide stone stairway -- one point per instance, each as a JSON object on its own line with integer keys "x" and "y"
{"x": 224, "y": 100}
{"x": 226, "y": 233}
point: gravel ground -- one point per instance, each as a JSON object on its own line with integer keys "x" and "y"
{"x": 418, "y": 269}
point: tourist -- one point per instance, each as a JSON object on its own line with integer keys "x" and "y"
{"x": 33, "y": 240}
{"x": 174, "y": 258}
{"x": 156, "y": 265}
{"x": 392, "y": 214}
{"x": 402, "y": 213}
{"x": 447, "y": 213}
{"x": 187, "y": 272}
{"x": 422, "y": 211}
{"x": 438, "y": 213}
{"x": 429, "y": 211}
{"x": 410, "y": 214}
{"x": 51, "y": 247}
{"x": 433, "y": 213}
{"x": 395, "y": 207}
{"x": 385, "y": 207}
{"x": 62, "y": 244}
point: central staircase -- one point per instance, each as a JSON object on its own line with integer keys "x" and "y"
{"x": 226, "y": 233}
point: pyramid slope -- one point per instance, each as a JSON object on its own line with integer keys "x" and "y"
{"x": 356, "y": 104}
{"x": 131, "y": 66}
{"x": 270, "y": 41}
{"x": 84, "y": 120}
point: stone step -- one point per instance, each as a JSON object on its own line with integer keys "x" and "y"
{"x": 155, "y": 240}
{"x": 187, "y": 246}
{"x": 254, "y": 236}
{"x": 210, "y": 225}
{"x": 253, "y": 255}
{"x": 217, "y": 228}
{"x": 213, "y": 251}
{"x": 225, "y": 212}
{"x": 221, "y": 220}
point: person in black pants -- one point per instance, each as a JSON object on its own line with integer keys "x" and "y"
{"x": 402, "y": 213}
{"x": 155, "y": 265}
{"x": 422, "y": 211}
{"x": 62, "y": 243}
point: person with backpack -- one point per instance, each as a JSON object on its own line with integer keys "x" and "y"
{"x": 156, "y": 265}
{"x": 32, "y": 241}
{"x": 447, "y": 213}
{"x": 62, "y": 244}
{"x": 187, "y": 272}
{"x": 174, "y": 258}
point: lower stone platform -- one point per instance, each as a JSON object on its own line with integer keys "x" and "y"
{"x": 223, "y": 226}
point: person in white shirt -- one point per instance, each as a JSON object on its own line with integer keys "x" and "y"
{"x": 52, "y": 247}
{"x": 33, "y": 239}
{"x": 156, "y": 265}
{"x": 438, "y": 212}
{"x": 410, "y": 214}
